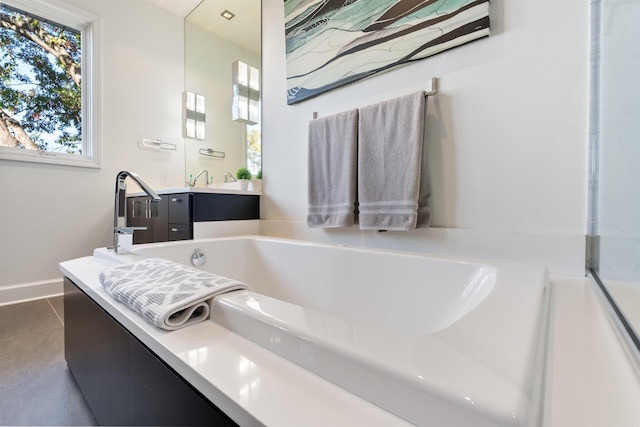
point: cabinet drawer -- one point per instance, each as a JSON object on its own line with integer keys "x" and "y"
{"x": 179, "y": 208}
{"x": 225, "y": 207}
{"x": 180, "y": 232}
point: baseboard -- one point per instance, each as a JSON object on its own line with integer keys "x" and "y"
{"x": 561, "y": 253}
{"x": 30, "y": 291}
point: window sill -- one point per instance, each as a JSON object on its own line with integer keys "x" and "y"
{"x": 48, "y": 158}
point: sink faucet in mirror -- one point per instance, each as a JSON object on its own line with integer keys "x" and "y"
{"x": 195, "y": 179}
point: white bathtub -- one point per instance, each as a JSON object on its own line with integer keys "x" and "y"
{"x": 435, "y": 341}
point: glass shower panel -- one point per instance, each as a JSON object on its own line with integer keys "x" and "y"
{"x": 618, "y": 218}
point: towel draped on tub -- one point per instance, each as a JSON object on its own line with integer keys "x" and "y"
{"x": 167, "y": 294}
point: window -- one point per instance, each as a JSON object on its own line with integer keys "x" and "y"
{"x": 47, "y": 84}
{"x": 254, "y": 149}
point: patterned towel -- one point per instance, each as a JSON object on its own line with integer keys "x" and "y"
{"x": 167, "y": 294}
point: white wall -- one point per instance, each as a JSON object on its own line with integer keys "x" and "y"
{"x": 507, "y": 138}
{"x": 507, "y": 141}
{"x": 52, "y": 213}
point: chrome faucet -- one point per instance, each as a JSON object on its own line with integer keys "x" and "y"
{"x": 229, "y": 175}
{"x": 121, "y": 244}
{"x": 193, "y": 183}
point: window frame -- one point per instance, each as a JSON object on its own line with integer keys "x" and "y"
{"x": 88, "y": 25}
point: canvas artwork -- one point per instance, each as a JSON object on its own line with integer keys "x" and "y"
{"x": 331, "y": 43}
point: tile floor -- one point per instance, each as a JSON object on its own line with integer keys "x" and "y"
{"x": 36, "y": 388}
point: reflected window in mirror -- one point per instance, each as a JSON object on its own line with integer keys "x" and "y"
{"x": 246, "y": 93}
{"x": 254, "y": 149}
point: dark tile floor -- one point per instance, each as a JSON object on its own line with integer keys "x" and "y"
{"x": 36, "y": 388}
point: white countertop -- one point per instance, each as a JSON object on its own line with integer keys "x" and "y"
{"x": 176, "y": 190}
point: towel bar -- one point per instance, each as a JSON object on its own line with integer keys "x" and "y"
{"x": 156, "y": 144}
{"x": 432, "y": 92}
{"x": 434, "y": 87}
{"x": 210, "y": 152}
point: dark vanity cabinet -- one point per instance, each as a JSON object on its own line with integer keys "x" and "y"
{"x": 144, "y": 212}
{"x": 123, "y": 381}
{"x": 173, "y": 216}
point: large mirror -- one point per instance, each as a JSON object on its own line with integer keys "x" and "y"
{"x": 213, "y": 42}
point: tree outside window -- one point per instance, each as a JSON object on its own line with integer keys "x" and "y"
{"x": 49, "y": 83}
{"x": 40, "y": 83}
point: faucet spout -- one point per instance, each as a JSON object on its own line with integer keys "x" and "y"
{"x": 119, "y": 207}
{"x": 229, "y": 175}
{"x": 193, "y": 183}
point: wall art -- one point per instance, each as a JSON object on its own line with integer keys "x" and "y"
{"x": 331, "y": 43}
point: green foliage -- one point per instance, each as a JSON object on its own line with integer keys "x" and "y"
{"x": 40, "y": 80}
{"x": 259, "y": 174}
{"x": 243, "y": 173}
{"x": 254, "y": 148}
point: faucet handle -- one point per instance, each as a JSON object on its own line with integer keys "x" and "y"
{"x": 123, "y": 239}
{"x": 128, "y": 230}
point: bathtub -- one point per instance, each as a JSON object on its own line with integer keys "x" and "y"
{"x": 434, "y": 341}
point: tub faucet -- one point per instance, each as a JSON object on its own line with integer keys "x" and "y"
{"x": 229, "y": 175}
{"x": 123, "y": 236}
{"x": 193, "y": 183}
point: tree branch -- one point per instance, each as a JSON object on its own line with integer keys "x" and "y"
{"x": 13, "y": 135}
{"x": 45, "y": 40}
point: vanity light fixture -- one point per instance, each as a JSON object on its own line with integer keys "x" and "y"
{"x": 193, "y": 115}
{"x": 246, "y": 93}
{"x": 227, "y": 15}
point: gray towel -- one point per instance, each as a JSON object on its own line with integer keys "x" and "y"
{"x": 393, "y": 185}
{"x": 333, "y": 144}
{"x": 167, "y": 294}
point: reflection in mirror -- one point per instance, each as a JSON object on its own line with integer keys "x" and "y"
{"x": 618, "y": 151}
{"x": 212, "y": 44}
{"x": 193, "y": 115}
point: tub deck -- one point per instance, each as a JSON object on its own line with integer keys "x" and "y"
{"x": 433, "y": 341}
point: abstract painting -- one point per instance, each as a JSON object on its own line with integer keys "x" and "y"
{"x": 331, "y": 43}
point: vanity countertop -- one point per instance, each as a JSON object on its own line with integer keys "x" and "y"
{"x": 214, "y": 189}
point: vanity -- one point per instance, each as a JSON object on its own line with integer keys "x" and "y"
{"x": 173, "y": 217}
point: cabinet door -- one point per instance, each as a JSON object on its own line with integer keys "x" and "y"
{"x": 179, "y": 208}
{"x": 138, "y": 216}
{"x": 160, "y": 397}
{"x": 96, "y": 350}
{"x": 159, "y": 211}
{"x": 145, "y": 212}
